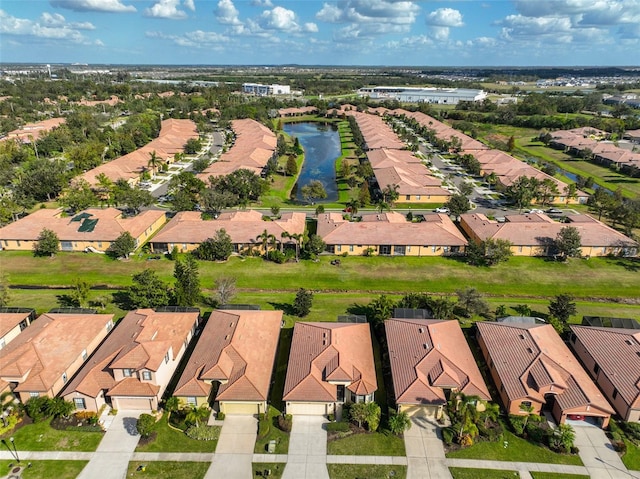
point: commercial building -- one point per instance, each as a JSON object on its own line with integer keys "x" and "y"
{"x": 449, "y": 96}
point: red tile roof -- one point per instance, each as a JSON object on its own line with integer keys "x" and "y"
{"x": 238, "y": 348}
{"x": 140, "y": 340}
{"x": 46, "y": 349}
{"x": 428, "y": 356}
{"x": 321, "y": 352}
{"x": 8, "y": 321}
{"x": 617, "y": 353}
{"x": 532, "y": 359}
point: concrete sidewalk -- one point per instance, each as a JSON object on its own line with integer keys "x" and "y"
{"x": 598, "y": 454}
{"x": 111, "y": 459}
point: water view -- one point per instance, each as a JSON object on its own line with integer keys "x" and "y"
{"x": 321, "y": 145}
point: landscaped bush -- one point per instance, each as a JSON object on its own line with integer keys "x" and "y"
{"x": 632, "y": 430}
{"x": 285, "y": 422}
{"x": 11, "y": 421}
{"x": 493, "y": 433}
{"x": 220, "y": 416}
{"x": 145, "y": 424}
{"x": 338, "y": 427}
{"x": 536, "y": 432}
{"x": 447, "y": 436}
{"x": 517, "y": 424}
{"x": 90, "y": 416}
{"x": 276, "y": 256}
{"x": 202, "y": 432}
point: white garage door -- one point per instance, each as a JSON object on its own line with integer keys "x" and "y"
{"x": 239, "y": 408}
{"x": 132, "y": 403}
{"x": 419, "y": 411}
{"x": 307, "y": 409}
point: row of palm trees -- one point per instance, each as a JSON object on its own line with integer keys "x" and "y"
{"x": 267, "y": 239}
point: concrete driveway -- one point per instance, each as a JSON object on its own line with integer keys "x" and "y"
{"x": 307, "y": 449}
{"x": 111, "y": 459}
{"x": 425, "y": 454}
{"x": 234, "y": 452}
{"x": 598, "y": 454}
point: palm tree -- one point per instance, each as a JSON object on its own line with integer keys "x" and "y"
{"x": 352, "y": 207}
{"x": 154, "y": 161}
{"x": 491, "y": 413}
{"x": 195, "y": 415}
{"x": 296, "y": 237}
{"x": 382, "y": 206}
{"x": 464, "y": 415}
{"x": 390, "y": 194}
{"x": 265, "y": 238}
{"x": 528, "y": 409}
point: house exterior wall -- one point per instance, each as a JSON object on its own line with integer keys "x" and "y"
{"x": 11, "y": 335}
{"x": 422, "y": 199}
{"x": 91, "y": 403}
{"x": 409, "y": 250}
{"x": 200, "y": 400}
{"x": 603, "y": 382}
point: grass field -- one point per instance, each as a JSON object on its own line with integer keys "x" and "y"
{"x": 370, "y": 471}
{"x": 276, "y": 469}
{"x": 518, "y": 450}
{"x": 171, "y": 440}
{"x": 368, "y": 444}
{"x": 556, "y": 475}
{"x": 168, "y": 470}
{"x": 41, "y": 436}
{"x": 46, "y": 469}
{"x": 465, "y": 473}
{"x": 535, "y": 277}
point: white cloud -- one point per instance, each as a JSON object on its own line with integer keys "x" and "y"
{"x": 310, "y": 27}
{"x": 445, "y": 17}
{"x": 114, "y": 6}
{"x": 226, "y": 13}
{"x": 369, "y": 11}
{"x": 189, "y": 5}
{"x": 262, "y": 3}
{"x": 195, "y": 39}
{"x": 166, "y": 9}
{"x": 48, "y": 26}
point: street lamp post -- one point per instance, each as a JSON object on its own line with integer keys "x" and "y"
{"x": 12, "y": 449}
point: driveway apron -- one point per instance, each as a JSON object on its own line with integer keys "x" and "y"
{"x": 111, "y": 459}
{"x": 425, "y": 452}
{"x": 307, "y": 457}
{"x": 598, "y": 455}
{"x": 234, "y": 452}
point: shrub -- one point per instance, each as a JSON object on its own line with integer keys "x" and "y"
{"x": 276, "y": 256}
{"x": 536, "y": 433}
{"x": 619, "y": 446}
{"x": 220, "y": 416}
{"x": 517, "y": 424}
{"x": 12, "y": 420}
{"x": 492, "y": 433}
{"x": 338, "y": 427}
{"x": 145, "y": 424}
{"x": 331, "y": 417}
{"x": 202, "y": 432}
{"x": 632, "y": 429}
{"x": 447, "y": 436}
{"x": 37, "y": 408}
{"x": 91, "y": 428}
{"x": 85, "y": 415}
{"x": 285, "y": 422}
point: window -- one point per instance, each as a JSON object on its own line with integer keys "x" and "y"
{"x": 502, "y": 388}
{"x": 18, "y": 242}
{"x": 417, "y": 197}
{"x": 351, "y": 248}
{"x": 64, "y": 378}
{"x": 525, "y": 404}
{"x": 166, "y": 357}
{"x": 146, "y": 375}
{"x": 2, "y": 343}
{"x": 339, "y": 248}
{"x": 109, "y": 325}
{"x": 127, "y": 372}
{"x": 84, "y": 354}
{"x": 79, "y": 402}
{"x": 408, "y": 197}
{"x": 596, "y": 369}
{"x": 615, "y": 394}
{"x": 191, "y": 401}
{"x": 34, "y": 394}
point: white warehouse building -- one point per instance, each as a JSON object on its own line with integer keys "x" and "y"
{"x": 449, "y": 96}
{"x": 265, "y": 90}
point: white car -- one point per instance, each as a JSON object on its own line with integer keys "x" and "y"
{"x": 442, "y": 210}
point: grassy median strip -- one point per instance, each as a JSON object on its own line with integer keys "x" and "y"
{"x": 45, "y": 469}
{"x": 370, "y": 471}
{"x": 465, "y": 473}
{"x": 41, "y": 436}
{"x": 168, "y": 469}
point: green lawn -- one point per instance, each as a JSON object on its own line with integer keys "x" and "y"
{"x": 367, "y": 444}
{"x": 41, "y": 436}
{"x": 370, "y": 471}
{"x": 518, "y": 277}
{"x": 556, "y": 475}
{"x": 465, "y": 473}
{"x": 275, "y": 434}
{"x": 172, "y": 440}
{"x": 631, "y": 458}
{"x": 46, "y": 469}
{"x": 168, "y": 470}
{"x": 518, "y": 450}
{"x": 276, "y": 468}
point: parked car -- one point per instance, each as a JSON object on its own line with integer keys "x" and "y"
{"x": 554, "y": 211}
{"x": 442, "y": 210}
{"x": 534, "y": 211}
{"x": 575, "y": 417}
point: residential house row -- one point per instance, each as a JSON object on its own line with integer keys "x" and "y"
{"x": 385, "y": 234}
{"x": 231, "y": 367}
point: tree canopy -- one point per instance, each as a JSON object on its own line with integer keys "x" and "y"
{"x": 47, "y": 244}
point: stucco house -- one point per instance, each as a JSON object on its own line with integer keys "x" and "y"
{"x": 187, "y": 230}
{"x": 92, "y": 229}
{"x": 532, "y": 367}
{"x": 611, "y": 356}
{"x": 430, "y": 361}
{"x": 42, "y": 359}
{"x": 232, "y": 363}
{"x": 12, "y": 321}
{"x": 390, "y": 234}
{"x": 534, "y": 234}
{"x": 133, "y": 367}
{"x": 329, "y": 364}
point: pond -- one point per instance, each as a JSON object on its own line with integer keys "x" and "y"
{"x": 321, "y": 143}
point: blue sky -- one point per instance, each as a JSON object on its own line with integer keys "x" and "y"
{"x": 310, "y": 32}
